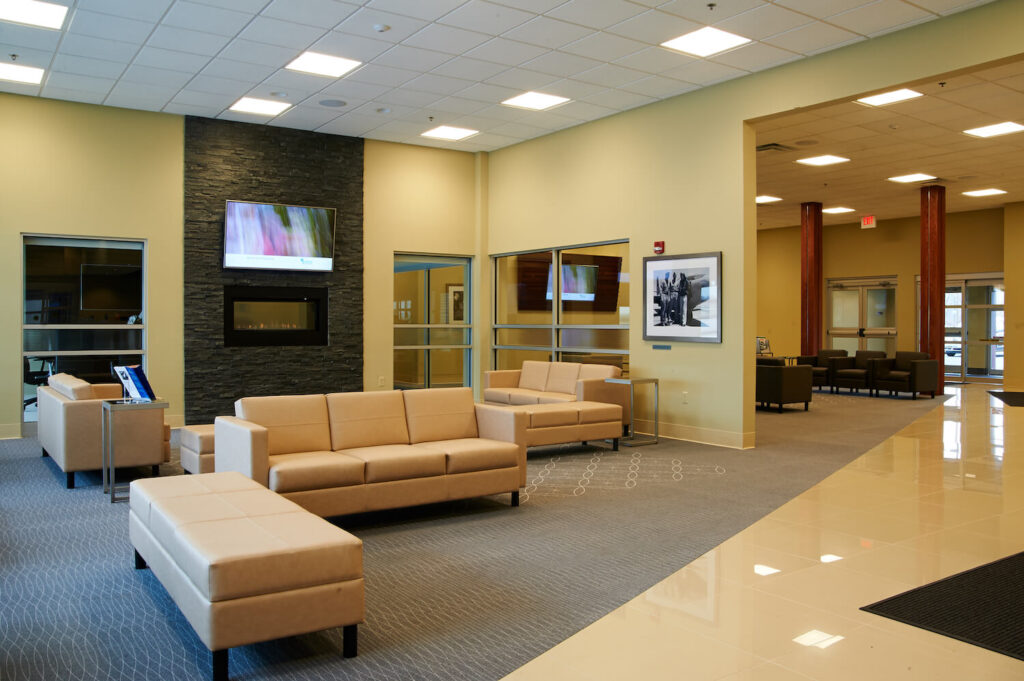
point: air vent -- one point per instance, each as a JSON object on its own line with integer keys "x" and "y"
{"x": 774, "y": 146}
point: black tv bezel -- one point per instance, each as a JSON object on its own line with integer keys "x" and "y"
{"x": 224, "y": 237}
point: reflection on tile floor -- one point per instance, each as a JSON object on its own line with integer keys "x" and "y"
{"x": 780, "y": 601}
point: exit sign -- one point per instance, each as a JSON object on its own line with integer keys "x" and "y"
{"x": 868, "y": 222}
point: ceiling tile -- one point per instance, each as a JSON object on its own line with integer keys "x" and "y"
{"x": 185, "y": 40}
{"x": 350, "y": 124}
{"x": 609, "y": 75}
{"x": 382, "y": 75}
{"x": 485, "y": 17}
{"x": 408, "y": 98}
{"x": 86, "y": 66}
{"x": 251, "y": 6}
{"x": 386, "y": 114}
{"x": 620, "y": 100}
{"x": 152, "y": 93}
{"x": 878, "y": 16}
{"x": 148, "y": 75}
{"x": 596, "y": 15}
{"x": 704, "y": 73}
{"x": 575, "y": 89}
{"x": 492, "y": 117}
{"x": 258, "y": 53}
{"x": 403, "y": 127}
{"x": 698, "y": 10}
{"x": 502, "y": 51}
{"x": 86, "y": 46}
{"x": 71, "y": 81}
{"x": 349, "y": 89}
{"x": 654, "y": 27}
{"x": 763, "y": 21}
{"x": 538, "y": 6}
{"x": 237, "y": 70}
{"x": 440, "y": 85}
{"x": 949, "y": 6}
{"x": 470, "y": 69}
{"x": 446, "y": 39}
{"x": 811, "y": 38}
{"x": 655, "y": 60}
{"x": 318, "y": 13}
{"x": 170, "y": 59}
{"x": 350, "y": 46}
{"x": 38, "y": 58}
{"x": 756, "y": 57}
{"x": 294, "y": 82}
{"x": 585, "y": 111}
{"x": 109, "y": 26}
{"x": 214, "y": 102}
{"x": 488, "y": 93}
{"x": 658, "y": 87}
{"x": 524, "y": 79}
{"x": 412, "y": 58}
{"x": 362, "y": 22}
{"x": 26, "y": 36}
{"x": 306, "y": 117}
{"x": 220, "y": 86}
{"x": 205, "y": 18}
{"x": 427, "y": 10}
{"x": 561, "y": 64}
{"x": 151, "y": 10}
{"x": 281, "y": 33}
{"x": 547, "y": 32}
{"x": 67, "y": 94}
{"x": 521, "y": 130}
{"x": 604, "y": 47}
{"x": 458, "y": 105}
{"x": 820, "y": 9}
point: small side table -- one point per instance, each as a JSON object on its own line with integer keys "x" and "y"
{"x": 110, "y": 407}
{"x": 634, "y": 440}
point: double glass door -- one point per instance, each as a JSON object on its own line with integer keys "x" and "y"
{"x": 974, "y": 328}
{"x": 862, "y": 315}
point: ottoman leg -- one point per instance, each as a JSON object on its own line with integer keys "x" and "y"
{"x": 156, "y": 471}
{"x": 349, "y": 640}
{"x": 615, "y": 444}
{"x": 515, "y": 498}
{"x": 140, "y": 562}
{"x": 220, "y": 665}
{"x": 69, "y": 481}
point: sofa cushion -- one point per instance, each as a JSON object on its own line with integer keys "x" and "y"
{"x": 399, "y": 462}
{"x": 523, "y": 396}
{"x": 197, "y": 438}
{"x": 476, "y": 454}
{"x": 498, "y": 395}
{"x": 598, "y": 412}
{"x": 534, "y": 375}
{"x": 555, "y": 398}
{"x": 70, "y": 387}
{"x": 548, "y": 415}
{"x": 599, "y": 371}
{"x": 313, "y": 470}
{"x": 562, "y": 377}
{"x": 294, "y": 423}
{"x": 440, "y": 414}
{"x": 366, "y": 419}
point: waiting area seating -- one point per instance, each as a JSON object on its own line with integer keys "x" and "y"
{"x": 819, "y": 363}
{"x": 780, "y": 384}
{"x": 910, "y": 372}
{"x": 854, "y": 372}
{"x": 556, "y": 382}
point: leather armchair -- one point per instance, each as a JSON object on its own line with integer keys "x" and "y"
{"x": 779, "y": 384}
{"x": 854, "y": 372}
{"x": 912, "y": 372}
{"x": 819, "y": 365}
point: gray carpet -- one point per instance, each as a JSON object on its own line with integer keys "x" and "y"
{"x": 465, "y": 590}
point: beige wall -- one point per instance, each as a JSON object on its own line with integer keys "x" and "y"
{"x": 681, "y": 170}
{"x": 974, "y": 243}
{"x": 1013, "y": 245}
{"x": 84, "y": 170}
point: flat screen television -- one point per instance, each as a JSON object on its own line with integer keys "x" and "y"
{"x": 273, "y": 236}
{"x": 579, "y": 282}
{"x": 589, "y": 283}
{"x": 111, "y": 287}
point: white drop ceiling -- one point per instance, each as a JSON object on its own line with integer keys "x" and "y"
{"x": 437, "y": 62}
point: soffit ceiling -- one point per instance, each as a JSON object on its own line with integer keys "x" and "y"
{"x": 922, "y": 135}
{"x": 439, "y": 62}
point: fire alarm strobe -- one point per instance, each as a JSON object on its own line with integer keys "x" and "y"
{"x": 659, "y": 247}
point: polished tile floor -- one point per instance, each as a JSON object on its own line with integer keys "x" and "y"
{"x": 780, "y": 601}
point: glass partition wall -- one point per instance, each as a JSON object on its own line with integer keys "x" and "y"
{"x": 432, "y": 325}
{"x": 974, "y": 327}
{"x": 569, "y": 304}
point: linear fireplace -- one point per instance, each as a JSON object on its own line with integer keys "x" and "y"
{"x": 275, "y": 315}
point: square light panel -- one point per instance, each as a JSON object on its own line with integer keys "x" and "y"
{"x": 765, "y": 198}
{"x": 17, "y": 73}
{"x": 322, "y": 64}
{"x": 537, "y": 101}
{"x": 826, "y": 160}
{"x": 913, "y": 177}
{"x": 33, "y": 13}
{"x": 994, "y": 130}
{"x": 984, "y": 192}
{"x": 263, "y": 107}
{"x": 837, "y": 210}
{"x": 889, "y": 97}
{"x": 448, "y": 132}
{"x": 705, "y": 42}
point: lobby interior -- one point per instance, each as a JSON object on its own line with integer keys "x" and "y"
{"x": 941, "y": 496}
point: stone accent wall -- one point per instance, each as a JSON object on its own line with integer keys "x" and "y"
{"x": 244, "y": 162}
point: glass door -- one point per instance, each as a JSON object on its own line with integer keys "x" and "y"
{"x": 974, "y": 328}
{"x": 862, "y": 315}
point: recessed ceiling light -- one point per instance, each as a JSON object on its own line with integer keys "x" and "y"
{"x": 322, "y": 64}
{"x": 765, "y": 198}
{"x": 837, "y": 209}
{"x": 21, "y": 74}
{"x": 997, "y": 129}
{"x": 912, "y": 177}
{"x": 889, "y": 97}
{"x": 984, "y": 192}
{"x": 263, "y": 107}
{"x": 818, "y": 639}
{"x": 537, "y": 101}
{"x": 830, "y": 558}
{"x": 765, "y": 570}
{"x": 33, "y": 13}
{"x": 826, "y": 160}
{"x": 333, "y": 103}
{"x": 705, "y": 42}
{"x": 448, "y": 132}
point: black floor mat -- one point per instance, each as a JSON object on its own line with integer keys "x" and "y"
{"x": 1012, "y": 399}
{"x": 982, "y": 606}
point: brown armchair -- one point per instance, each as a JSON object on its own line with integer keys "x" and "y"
{"x": 780, "y": 384}
{"x": 819, "y": 365}
{"x": 909, "y": 372}
{"x": 854, "y": 372}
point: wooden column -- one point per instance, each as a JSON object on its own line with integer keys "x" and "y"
{"x": 810, "y": 278}
{"x": 933, "y": 274}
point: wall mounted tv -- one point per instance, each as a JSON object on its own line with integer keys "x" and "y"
{"x": 273, "y": 236}
{"x": 589, "y": 283}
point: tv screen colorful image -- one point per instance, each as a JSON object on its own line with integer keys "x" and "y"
{"x": 579, "y": 282}
{"x": 272, "y": 236}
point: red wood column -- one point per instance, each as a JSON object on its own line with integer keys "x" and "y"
{"x": 810, "y": 278}
{"x": 933, "y": 274}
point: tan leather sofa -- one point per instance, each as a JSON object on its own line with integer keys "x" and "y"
{"x": 551, "y": 382}
{"x": 70, "y": 430}
{"x": 351, "y": 452}
{"x": 243, "y": 564}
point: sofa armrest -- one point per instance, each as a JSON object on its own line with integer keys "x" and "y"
{"x": 241, "y": 445}
{"x": 837, "y": 363}
{"x": 880, "y": 367}
{"x": 508, "y": 425}
{"x": 504, "y": 378}
{"x": 796, "y": 383}
{"x": 596, "y": 390}
{"x": 107, "y": 391}
{"x": 807, "y": 359}
{"x": 924, "y": 375}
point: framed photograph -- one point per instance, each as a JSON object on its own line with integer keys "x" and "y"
{"x": 683, "y": 298}
{"x": 456, "y": 304}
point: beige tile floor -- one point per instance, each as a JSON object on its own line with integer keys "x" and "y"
{"x": 939, "y": 497}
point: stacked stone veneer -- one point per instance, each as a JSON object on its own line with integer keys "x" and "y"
{"x": 244, "y": 162}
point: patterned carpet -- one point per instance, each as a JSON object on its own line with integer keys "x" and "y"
{"x": 465, "y": 590}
